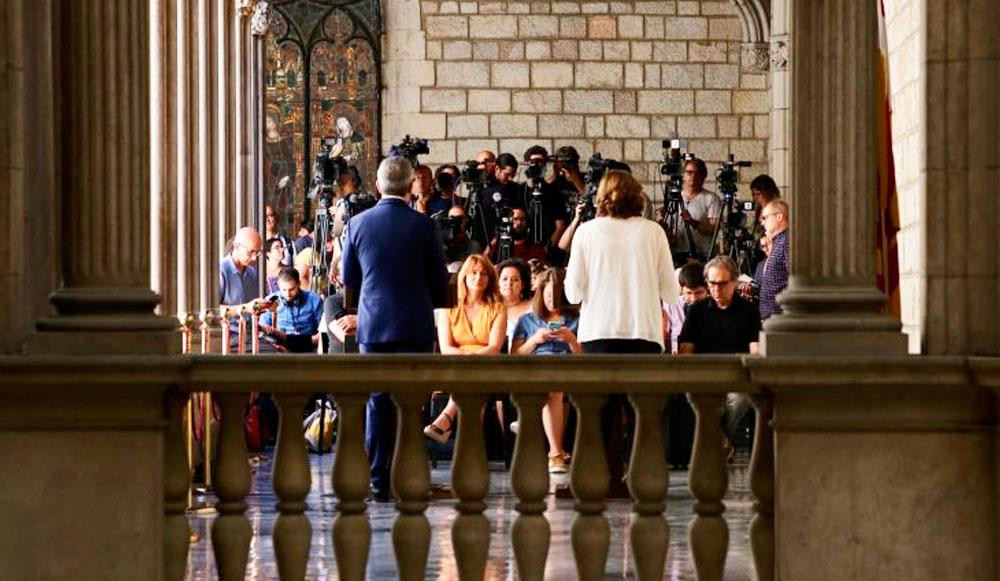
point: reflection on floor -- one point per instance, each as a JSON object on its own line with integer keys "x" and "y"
{"x": 441, "y": 513}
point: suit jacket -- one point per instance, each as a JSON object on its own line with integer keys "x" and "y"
{"x": 394, "y": 257}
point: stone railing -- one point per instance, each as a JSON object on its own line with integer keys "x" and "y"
{"x": 861, "y": 454}
{"x": 410, "y": 380}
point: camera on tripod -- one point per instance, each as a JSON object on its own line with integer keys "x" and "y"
{"x": 673, "y": 167}
{"x": 410, "y": 148}
{"x": 471, "y": 174}
{"x": 737, "y": 239}
{"x": 326, "y": 172}
{"x": 504, "y": 227}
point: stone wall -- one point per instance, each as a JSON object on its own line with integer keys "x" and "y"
{"x": 907, "y": 82}
{"x": 609, "y": 77}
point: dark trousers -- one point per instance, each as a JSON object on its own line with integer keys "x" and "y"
{"x": 380, "y": 416}
{"x": 617, "y": 416}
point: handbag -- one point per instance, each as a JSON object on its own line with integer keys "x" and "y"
{"x": 320, "y": 421}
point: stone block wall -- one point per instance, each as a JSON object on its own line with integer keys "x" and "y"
{"x": 609, "y": 77}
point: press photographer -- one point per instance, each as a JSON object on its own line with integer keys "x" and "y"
{"x": 691, "y": 218}
{"x": 585, "y": 208}
{"x": 423, "y": 197}
{"x": 544, "y": 197}
{"x": 514, "y": 241}
{"x": 452, "y": 229}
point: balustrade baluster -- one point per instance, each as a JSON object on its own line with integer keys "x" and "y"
{"x": 762, "y": 486}
{"x": 470, "y": 480}
{"x": 291, "y": 479}
{"x": 231, "y": 531}
{"x": 648, "y": 480}
{"x": 530, "y": 481}
{"x": 589, "y": 475}
{"x": 411, "y": 480}
{"x": 176, "y": 482}
{"x": 708, "y": 534}
{"x": 351, "y": 530}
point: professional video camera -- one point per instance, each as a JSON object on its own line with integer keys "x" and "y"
{"x": 448, "y": 227}
{"x": 475, "y": 179}
{"x": 597, "y": 166}
{"x": 673, "y": 167}
{"x": 326, "y": 171}
{"x": 410, "y": 148}
{"x": 737, "y": 239}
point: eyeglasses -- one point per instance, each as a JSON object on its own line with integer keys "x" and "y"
{"x": 719, "y": 282}
{"x": 771, "y": 215}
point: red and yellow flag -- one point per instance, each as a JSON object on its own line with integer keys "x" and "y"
{"x": 887, "y": 221}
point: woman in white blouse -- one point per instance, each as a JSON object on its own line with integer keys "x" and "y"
{"x": 620, "y": 270}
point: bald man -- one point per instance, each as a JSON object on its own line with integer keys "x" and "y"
{"x": 238, "y": 278}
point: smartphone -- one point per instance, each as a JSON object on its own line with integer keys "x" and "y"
{"x": 553, "y": 325}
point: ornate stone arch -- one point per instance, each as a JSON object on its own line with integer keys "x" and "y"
{"x": 755, "y": 16}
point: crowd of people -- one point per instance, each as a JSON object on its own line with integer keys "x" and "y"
{"x": 516, "y": 270}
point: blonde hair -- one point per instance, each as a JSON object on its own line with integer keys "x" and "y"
{"x": 491, "y": 296}
{"x": 619, "y": 195}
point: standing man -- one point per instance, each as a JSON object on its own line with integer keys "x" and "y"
{"x": 690, "y": 230}
{"x": 774, "y": 274}
{"x": 394, "y": 258}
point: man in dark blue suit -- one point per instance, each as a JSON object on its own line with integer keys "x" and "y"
{"x": 394, "y": 257}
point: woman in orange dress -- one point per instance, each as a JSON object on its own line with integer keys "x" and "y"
{"x": 476, "y": 326}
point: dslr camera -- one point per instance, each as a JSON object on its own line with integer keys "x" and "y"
{"x": 410, "y": 148}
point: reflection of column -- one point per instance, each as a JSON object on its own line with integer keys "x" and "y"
{"x": 831, "y": 305}
{"x": 186, "y": 259}
{"x": 104, "y": 132}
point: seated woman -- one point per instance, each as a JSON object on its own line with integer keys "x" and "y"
{"x": 477, "y": 325}
{"x": 550, "y": 329}
{"x": 273, "y": 263}
{"x": 515, "y": 290}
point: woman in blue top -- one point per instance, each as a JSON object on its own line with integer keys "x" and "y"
{"x": 549, "y": 328}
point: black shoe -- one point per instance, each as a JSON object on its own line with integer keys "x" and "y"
{"x": 377, "y": 495}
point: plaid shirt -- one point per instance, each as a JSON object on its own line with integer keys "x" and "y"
{"x": 774, "y": 278}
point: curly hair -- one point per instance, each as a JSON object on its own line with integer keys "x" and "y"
{"x": 619, "y": 195}
{"x": 522, "y": 269}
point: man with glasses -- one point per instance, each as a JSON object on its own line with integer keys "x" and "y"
{"x": 774, "y": 272}
{"x": 725, "y": 322}
{"x": 238, "y": 278}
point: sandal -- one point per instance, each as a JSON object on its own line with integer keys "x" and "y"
{"x": 434, "y": 432}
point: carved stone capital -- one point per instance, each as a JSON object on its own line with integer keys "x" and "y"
{"x": 779, "y": 55}
{"x": 260, "y": 22}
{"x": 246, "y": 8}
{"x": 756, "y": 57}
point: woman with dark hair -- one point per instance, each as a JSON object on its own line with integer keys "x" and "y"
{"x": 620, "y": 270}
{"x": 550, "y": 329}
{"x": 515, "y": 290}
{"x": 275, "y": 248}
{"x": 477, "y": 325}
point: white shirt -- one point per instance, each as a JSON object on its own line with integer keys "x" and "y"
{"x": 620, "y": 269}
{"x": 704, "y": 204}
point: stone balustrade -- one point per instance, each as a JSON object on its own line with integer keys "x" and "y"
{"x": 410, "y": 379}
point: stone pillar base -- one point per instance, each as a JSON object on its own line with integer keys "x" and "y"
{"x": 838, "y": 344}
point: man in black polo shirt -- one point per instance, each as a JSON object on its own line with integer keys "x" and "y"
{"x": 725, "y": 322}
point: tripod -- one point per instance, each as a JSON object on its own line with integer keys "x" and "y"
{"x": 478, "y": 227}
{"x": 537, "y": 218}
{"x": 320, "y": 261}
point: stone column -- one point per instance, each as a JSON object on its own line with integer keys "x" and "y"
{"x": 832, "y": 305}
{"x": 162, "y": 177}
{"x": 103, "y": 132}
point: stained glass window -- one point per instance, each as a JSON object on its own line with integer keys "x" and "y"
{"x": 322, "y": 80}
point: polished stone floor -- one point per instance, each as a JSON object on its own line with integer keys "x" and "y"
{"x": 441, "y": 513}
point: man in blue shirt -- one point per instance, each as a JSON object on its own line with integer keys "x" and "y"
{"x": 298, "y": 315}
{"x": 238, "y": 278}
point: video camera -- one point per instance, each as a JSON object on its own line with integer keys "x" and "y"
{"x": 737, "y": 240}
{"x": 673, "y": 167}
{"x": 326, "y": 171}
{"x": 410, "y": 148}
{"x": 504, "y": 226}
{"x": 471, "y": 174}
{"x": 448, "y": 227}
